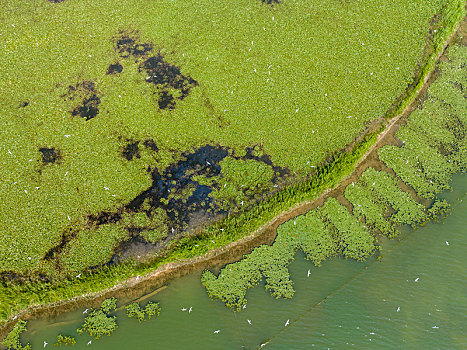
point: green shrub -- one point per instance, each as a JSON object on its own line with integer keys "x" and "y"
{"x": 12, "y": 341}
{"x": 135, "y": 310}
{"x": 354, "y": 239}
{"x": 98, "y": 322}
{"x": 65, "y": 341}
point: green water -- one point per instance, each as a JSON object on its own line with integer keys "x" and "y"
{"x": 343, "y": 304}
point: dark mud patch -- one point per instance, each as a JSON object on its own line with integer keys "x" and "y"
{"x": 170, "y": 84}
{"x": 151, "y": 144}
{"x": 131, "y": 150}
{"x": 114, "y": 68}
{"x": 104, "y": 218}
{"x": 258, "y": 154}
{"x": 167, "y": 188}
{"x": 53, "y": 253}
{"x": 178, "y": 199}
{"x": 85, "y": 98}
{"x": 50, "y": 155}
{"x": 127, "y": 43}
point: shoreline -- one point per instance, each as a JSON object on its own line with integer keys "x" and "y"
{"x": 265, "y": 234}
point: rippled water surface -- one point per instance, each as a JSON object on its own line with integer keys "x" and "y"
{"x": 415, "y": 297}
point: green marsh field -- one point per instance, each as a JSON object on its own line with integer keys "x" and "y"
{"x": 126, "y": 124}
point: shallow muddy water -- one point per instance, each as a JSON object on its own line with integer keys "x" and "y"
{"x": 415, "y": 297}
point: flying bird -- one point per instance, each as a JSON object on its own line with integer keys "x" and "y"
{"x": 287, "y": 323}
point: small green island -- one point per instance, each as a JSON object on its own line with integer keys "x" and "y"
{"x": 140, "y": 141}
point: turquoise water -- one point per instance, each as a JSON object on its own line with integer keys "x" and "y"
{"x": 415, "y": 297}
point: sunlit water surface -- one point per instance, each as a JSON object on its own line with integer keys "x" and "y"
{"x": 415, "y": 297}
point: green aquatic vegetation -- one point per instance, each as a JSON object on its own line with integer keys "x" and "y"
{"x": 65, "y": 341}
{"x": 111, "y": 124}
{"x": 440, "y": 208}
{"x": 157, "y": 229}
{"x": 98, "y": 322}
{"x": 12, "y": 341}
{"x": 354, "y": 239}
{"x": 108, "y": 305}
{"x": 384, "y": 189}
{"x": 232, "y": 283}
{"x": 426, "y": 161}
{"x": 366, "y": 207}
{"x": 92, "y": 248}
{"x": 435, "y": 135}
{"x": 241, "y": 180}
{"x": 314, "y": 238}
{"x": 434, "y": 127}
{"x": 150, "y": 310}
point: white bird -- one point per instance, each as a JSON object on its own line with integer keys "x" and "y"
{"x": 398, "y": 309}
{"x": 78, "y": 275}
{"x": 447, "y": 243}
{"x": 67, "y": 135}
{"x": 85, "y": 311}
{"x": 436, "y": 327}
{"x": 208, "y": 163}
{"x": 244, "y": 307}
{"x": 190, "y": 309}
{"x": 287, "y": 323}
{"x": 89, "y": 342}
{"x": 217, "y": 331}
{"x": 308, "y": 274}
{"x": 416, "y": 280}
{"x": 183, "y": 308}
{"x": 249, "y": 321}
{"x": 45, "y": 343}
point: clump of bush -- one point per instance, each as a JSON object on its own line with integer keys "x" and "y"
{"x": 65, "y": 341}
{"x": 135, "y": 310}
{"x": 12, "y": 341}
{"x": 98, "y": 322}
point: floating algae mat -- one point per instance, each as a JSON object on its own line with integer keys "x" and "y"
{"x": 432, "y": 147}
{"x": 125, "y": 125}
